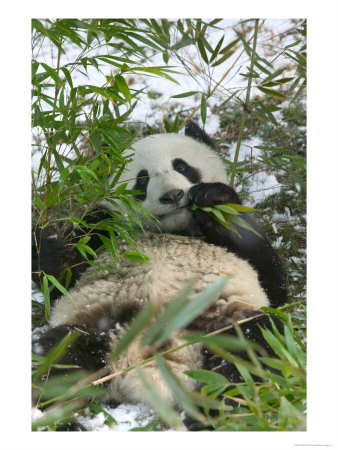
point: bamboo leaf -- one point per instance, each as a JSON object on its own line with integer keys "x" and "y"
{"x": 123, "y": 87}
{"x": 272, "y": 149}
{"x": 277, "y": 82}
{"x": 202, "y": 51}
{"x": 222, "y": 218}
{"x": 181, "y": 396}
{"x": 169, "y": 312}
{"x": 46, "y": 297}
{"x": 223, "y": 58}
{"x": 136, "y": 256}
{"x": 59, "y": 286}
{"x": 68, "y": 76}
{"x": 238, "y": 207}
{"x": 194, "y": 308}
{"x": 55, "y": 354}
{"x": 203, "y": 109}
{"x": 84, "y": 249}
{"x": 216, "y": 50}
{"x": 144, "y": 40}
{"x": 136, "y": 326}
{"x": 245, "y": 44}
{"x": 52, "y": 73}
{"x": 213, "y": 379}
{"x": 273, "y": 75}
{"x": 166, "y": 412}
{"x": 48, "y": 33}
{"x": 227, "y": 209}
{"x": 185, "y": 94}
{"x": 110, "y": 245}
{"x": 96, "y": 142}
{"x": 35, "y": 66}
{"x": 271, "y": 92}
{"x": 244, "y": 224}
{"x": 229, "y": 46}
{"x": 155, "y": 71}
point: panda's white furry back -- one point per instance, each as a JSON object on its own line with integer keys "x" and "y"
{"x": 172, "y": 172}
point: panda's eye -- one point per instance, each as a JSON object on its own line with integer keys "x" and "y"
{"x": 141, "y": 184}
{"x": 179, "y": 165}
{"x": 143, "y": 181}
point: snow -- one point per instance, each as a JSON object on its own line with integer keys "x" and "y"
{"x": 127, "y": 417}
{"x": 37, "y": 294}
{"x": 36, "y": 414}
{"x": 260, "y": 184}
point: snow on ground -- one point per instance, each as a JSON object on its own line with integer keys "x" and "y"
{"x": 126, "y": 415}
{"x": 37, "y": 294}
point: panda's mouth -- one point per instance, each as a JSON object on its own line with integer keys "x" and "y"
{"x": 173, "y": 212}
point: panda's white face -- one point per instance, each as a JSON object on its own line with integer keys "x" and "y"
{"x": 164, "y": 167}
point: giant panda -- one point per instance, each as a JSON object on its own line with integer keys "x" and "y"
{"x": 169, "y": 172}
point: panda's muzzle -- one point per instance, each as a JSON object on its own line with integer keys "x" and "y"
{"x": 172, "y": 197}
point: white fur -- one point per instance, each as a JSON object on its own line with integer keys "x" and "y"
{"x": 174, "y": 261}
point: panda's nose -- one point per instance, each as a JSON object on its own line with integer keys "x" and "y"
{"x": 173, "y": 196}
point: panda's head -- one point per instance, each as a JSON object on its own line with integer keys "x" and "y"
{"x": 165, "y": 166}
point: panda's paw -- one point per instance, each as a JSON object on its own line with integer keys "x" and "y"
{"x": 237, "y": 310}
{"x": 210, "y": 194}
{"x": 221, "y": 315}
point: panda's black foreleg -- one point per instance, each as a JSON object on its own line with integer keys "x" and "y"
{"x": 54, "y": 250}
{"x": 246, "y": 244}
{"x": 88, "y": 351}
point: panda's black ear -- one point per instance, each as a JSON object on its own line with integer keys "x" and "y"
{"x": 194, "y": 131}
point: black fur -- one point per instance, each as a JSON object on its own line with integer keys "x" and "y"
{"x": 142, "y": 184}
{"x": 49, "y": 252}
{"x": 194, "y": 131}
{"x": 191, "y": 173}
{"x": 89, "y": 351}
{"x": 252, "y": 332}
{"x": 53, "y": 250}
{"x": 255, "y": 249}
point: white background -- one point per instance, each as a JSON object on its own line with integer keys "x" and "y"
{"x": 322, "y": 214}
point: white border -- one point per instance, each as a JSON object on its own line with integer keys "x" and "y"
{"x": 322, "y": 214}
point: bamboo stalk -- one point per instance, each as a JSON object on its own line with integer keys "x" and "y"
{"x": 50, "y": 146}
{"x": 246, "y": 106}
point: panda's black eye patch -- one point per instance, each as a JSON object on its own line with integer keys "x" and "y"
{"x": 188, "y": 171}
{"x": 141, "y": 184}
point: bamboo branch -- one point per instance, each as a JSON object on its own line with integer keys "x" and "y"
{"x": 211, "y": 93}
